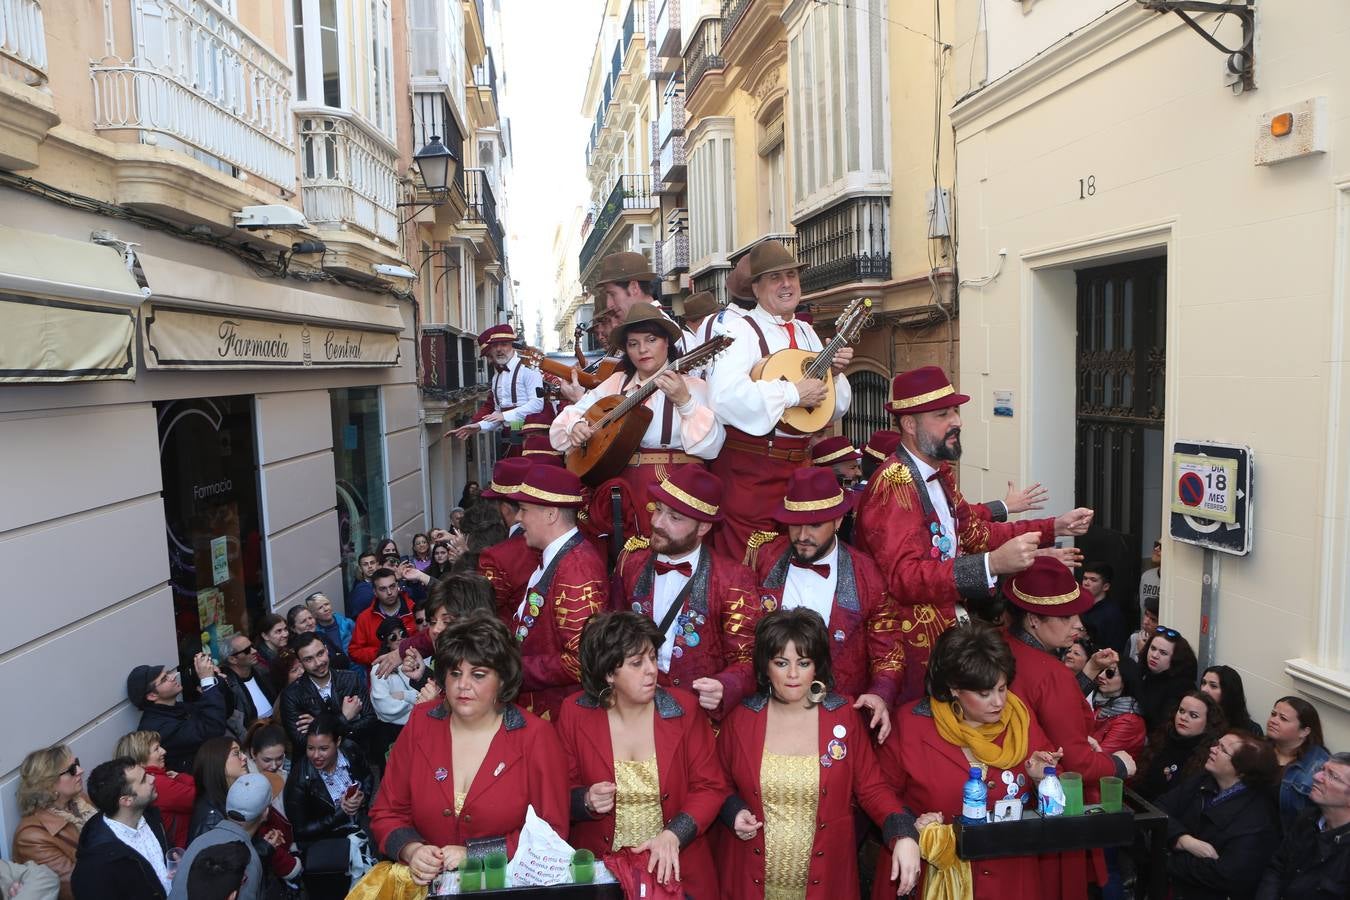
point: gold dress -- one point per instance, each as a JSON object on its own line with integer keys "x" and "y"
{"x": 790, "y": 787}
{"x": 637, "y": 803}
{"x": 460, "y": 797}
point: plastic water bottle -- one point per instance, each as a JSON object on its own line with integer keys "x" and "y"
{"x": 974, "y": 800}
{"x": 1051, "y": 794}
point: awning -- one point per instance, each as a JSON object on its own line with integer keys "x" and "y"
{"x": 206, "y": 319}
{"x": 67, "y": 310}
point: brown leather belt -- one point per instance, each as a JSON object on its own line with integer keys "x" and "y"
{"x": 660, "y": 458}
{"x": 765, "y": 447}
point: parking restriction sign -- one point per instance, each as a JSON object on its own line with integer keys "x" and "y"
{"x": 1211, "y": 495}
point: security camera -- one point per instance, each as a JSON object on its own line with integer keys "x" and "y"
{"x": 272, "y": 215}
{"x": 394, "y": 271}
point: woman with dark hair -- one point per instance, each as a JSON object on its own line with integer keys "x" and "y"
{"x": 327, "y": 798}
{"x": 643, "y": 767}
{"x": 386, "y": 548}
{"x": 1169, "y": 672}
{"x": 467, "y": 765}
{"x": 421, "y": 551}
{"x": 1116, "y": 721}
{"x": 800, "y": 758}
{"x": 682, "y": 429}
{"x": 442, "y": 561}
{"x": 969, "y": 720}
{"x": 272, "y": 637}
{"x": 269, "y": 754}
{"x": 218, "y": 764}
{"x": 470, "y": 495}
{"x": 1224, "y": 686}
{"x": 1221, "y": 825}
{"x": 300, "y": 621}
{"x": 285, "y": 669}
{"x": 1295, "y": 730}
{"x": 1178, "y": 749}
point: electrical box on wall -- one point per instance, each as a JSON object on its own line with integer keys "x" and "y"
{"x": 939, "y": 213}
{"x": 1292, "y": 132}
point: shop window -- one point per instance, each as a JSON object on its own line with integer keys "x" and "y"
{"x": 358, "y": 460}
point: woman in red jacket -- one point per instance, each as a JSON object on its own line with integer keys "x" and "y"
{"x": 970, "y": 720}
{"x": 1118, "y": 723}
{"x": 466, "y": 766}
{"x": 177, "y": 790}
{"x": 644, "y": 768}
{"x": 799, "y": 759}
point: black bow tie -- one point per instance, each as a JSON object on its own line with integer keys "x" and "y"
{"x": 503, "y": 368}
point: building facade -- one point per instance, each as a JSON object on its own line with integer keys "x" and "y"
{"x": 1153, "y": 265}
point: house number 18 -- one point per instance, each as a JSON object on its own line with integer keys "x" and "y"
{"x": 1087, "y": 187}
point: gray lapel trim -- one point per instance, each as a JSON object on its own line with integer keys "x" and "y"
{"x": 846, "y": 582}
{"x": 832, "y": 702}
{"x": 756, "y": 702}
{"x": 695, "y": 592}
{"x": 667, "y": 707}
{"x": 513, "y": 718}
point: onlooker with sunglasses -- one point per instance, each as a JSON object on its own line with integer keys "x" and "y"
{"x": 1117, "y": 723}
{"x": 54, "y": 809}
{"x": 158, "y": 693}
{"x": 1295, "y": 728}
{"x": 1169, "y": 672}
{"x": 1313, "y": 862}
{"x": 1224, "y": 686}
{"x": 253, "y": 695}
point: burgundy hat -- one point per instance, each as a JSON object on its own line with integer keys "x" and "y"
{"x": 539, "y": 421}
{"x": 923, "y": 390}
{"x": 833, "y": 450}
{"x": 538, "y": 446}
{"x": 1047, "y": 589}
{"x": 506, "y": 478}
{"x": 496, "y": 334}
{"x": 814, "y": 496}
{"x": 691, "y": 490}
{"x": 547, "y": 485}
{"x": 882, "y": 444}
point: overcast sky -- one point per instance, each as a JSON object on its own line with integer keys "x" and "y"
{"x": 548, "y": 46}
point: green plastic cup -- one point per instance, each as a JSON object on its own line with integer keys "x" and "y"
{"x": 1073, "y": 793}
{"x": 1113, "y": 792}
{"x": 471, "y": 876}
{"x": 494, "y": 871}
{"x": 583, "y": 867}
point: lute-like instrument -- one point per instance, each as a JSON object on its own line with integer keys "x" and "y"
{"x": 538, "y": 359}
{"x": 618, "y": 422}
{"x": 794, "y": 365}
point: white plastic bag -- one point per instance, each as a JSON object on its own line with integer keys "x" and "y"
{"x": 542, "y": 858}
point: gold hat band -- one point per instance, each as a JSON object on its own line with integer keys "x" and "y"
{"x": 813, "y": 505}
{"x": 874, "y": 453}
{"x": 909, "y": 402}
{"x": 688, "y": 499}
{"x": 842, "y": 452}
{"x": 548, "y": 496}
{"x": 503, "y": 488}
{"x": 1057, "y": 600}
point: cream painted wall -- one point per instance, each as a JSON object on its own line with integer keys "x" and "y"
{"x": 1250, "y": 291}
{"x": 1023, "y": 29}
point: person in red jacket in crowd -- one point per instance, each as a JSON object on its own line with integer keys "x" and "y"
{"x": 1118, "y": 723}
{"x": 704, "y": 603}
{"x": 176, "y": 791}
{"x": 801, "y": 762}
{"x": 389, "y": 601}
{"x": 468, "y": 764}
{"x": 913, "y": 520}
{"x": 509, "y": 563}
{"x": 812, "y": 568}
{"x": 643, "y": 767}
{"x": 569, "y": 585}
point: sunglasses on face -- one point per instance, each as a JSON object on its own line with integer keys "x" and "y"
{"x": 1170, "y": 633}
{"x": 1108, "y": 673}
{"x": 243, "y": 651}
{"x": 72, "y": 768}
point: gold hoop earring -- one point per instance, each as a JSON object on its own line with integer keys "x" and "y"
{"x": 606, "y": 695}
{"x": 817, "y": 691}
{"x": 956, "y": 710}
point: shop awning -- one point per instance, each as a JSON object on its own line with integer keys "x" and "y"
{"x": 206, "y": 319}
{"x": 67, "y": 310}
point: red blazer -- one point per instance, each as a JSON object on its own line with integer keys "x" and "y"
{"x": 855, "y": 778}
{"x": 508, "y": 566}
{"x": 693, "y": 785}
{"x": 929, "y": 774}
{"x": 175, "y": 803}
{"x": 893, "y": 527}
{"x": 524, "y": 767}
{"x": 865, "y": 651}
{"x": 573, "y": 588}
{"x": 723, "y": 593}
{"x": 365, "y": 645}
{"x": 1126, "y": 731}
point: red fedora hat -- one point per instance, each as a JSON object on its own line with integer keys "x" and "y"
{"x": 548, "y": 485}
{"x": 1047, "y": 589}
{"x": 537, "y": 446}
{"x": 813, "y": 496}
{"x": 495, "y": 334}
{"x": 834, "y": 450}
{"x": 882, "y": 444}
{"x": 691, "y": 490}
{"x": 507, "y": 476}
{"x": 923, "y": 390}
{"x": 539, "y": 421}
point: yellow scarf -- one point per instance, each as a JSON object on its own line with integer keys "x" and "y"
{"x": 948, "y": 875}
{"x": 388, "y": 881}
{"x": 1012, "y": 724}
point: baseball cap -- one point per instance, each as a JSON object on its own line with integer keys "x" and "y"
{"x": 139, "y": 682}
{"x": 248, "y": 797}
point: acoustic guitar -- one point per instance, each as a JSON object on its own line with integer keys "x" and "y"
{"x": 794, "y": 365}
{"x": 538, "y": 359}
{"x": 618, "y": 422}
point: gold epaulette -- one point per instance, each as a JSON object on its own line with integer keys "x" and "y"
{"x": 898, "y": 473}
{"x": 635, "y": 543}
{"x": 756, "y": 540}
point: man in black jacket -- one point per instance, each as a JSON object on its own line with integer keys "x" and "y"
{"x": 182, "y": 727}
{"x": 121, "y": 852}
{"x": 323, "y": 689}
{"x": 251, "y": 696}
{"x": 1313, "y": 862}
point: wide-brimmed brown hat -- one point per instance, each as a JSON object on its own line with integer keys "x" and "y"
{"x": 641, "y": 313}
{"x": 623, "y": 268}
{"x": 771, "y": 256}
{"x": 700, "y": 305}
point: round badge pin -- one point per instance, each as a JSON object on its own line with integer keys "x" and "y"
{"x": 677, "y": 651}
{"x": 836, "y": 749}
{"x": 840, "y": 731}
{"x": 522, "y": 633}
{"x": 440, "y": 774}
{"x": 692, "y": 639}
{"x": 768, "y": 603}
{"x": 637, "y": 607}
{"x": 529, "y": 621}
{"x": 825, "y": 760}
{"x": 839, "y": 635}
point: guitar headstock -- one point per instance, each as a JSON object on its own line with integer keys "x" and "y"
{"x": 530, "y": 356}
{"x": 704, "y": 353}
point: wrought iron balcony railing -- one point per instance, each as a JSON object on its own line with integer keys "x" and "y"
{"x": 732, "y": 10}
{"x": 23, "y": 41}
{"x": 482, "y": 206}
{"x": 630, "y": 192}
{"x": 787, "y": 240}
{"x": 348, "y": 175}
{"x": 704, "y": 53}
{"x": 848, "y": 242}
{"x": 432, "y": 116}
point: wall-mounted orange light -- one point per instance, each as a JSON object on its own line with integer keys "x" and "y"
{"x": 1282, "y": 124}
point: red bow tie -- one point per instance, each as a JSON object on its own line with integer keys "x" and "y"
{"x": 685, "y": 568}
{"x": 821, "y": 569}
{"x": 943, "y": 471}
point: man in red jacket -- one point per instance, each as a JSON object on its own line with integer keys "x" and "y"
{"x": 933, "y": 550}
{"x": 507, "y": 564}
{"x": 812, "y": 567}
{"x": 703, "y": 602}
{"x": 389, "y": 601}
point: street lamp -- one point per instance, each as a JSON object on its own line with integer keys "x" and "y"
{"x": 437, "y": 164}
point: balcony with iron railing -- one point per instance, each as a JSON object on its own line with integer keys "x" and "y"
{"x": 634, "y": 22}
{"x": 666, "y": 33}
{"x": 787, "y": 240}
{"x": 433, "y": 117}
{"x": 704, "y": 54}
{"x": 348, "y": 176}
{"x": 631, "y": 192}
{"x": 714, "y": 280}
{"x": 848, "y": 242}
{"x": 482, "y": 207}
{"x": 672, "y": 254}
{"x": 485, "y": 81}
{"x": 732, "y": 10}
{"x": 23, "y": 41}
{"x": 206, "y": 83}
